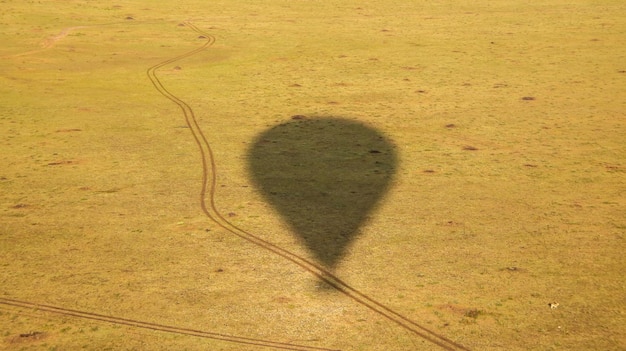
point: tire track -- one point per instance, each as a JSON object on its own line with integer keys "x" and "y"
{"x": 159, "y": 327}
{"x": 207, "y": 203}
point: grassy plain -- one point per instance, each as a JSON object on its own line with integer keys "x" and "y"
{"x": 510, "y": 193}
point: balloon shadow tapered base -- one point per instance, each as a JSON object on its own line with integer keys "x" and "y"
{"x": 324, "y": 176}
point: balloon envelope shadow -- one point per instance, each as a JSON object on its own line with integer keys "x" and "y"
{"x": 324, "y": 176}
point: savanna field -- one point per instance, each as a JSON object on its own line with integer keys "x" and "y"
{"x": 297, "y": 175}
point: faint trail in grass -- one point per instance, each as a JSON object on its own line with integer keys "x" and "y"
{"x": 159, "y": 327}
{"x": 207, "y": 203}
{"x": 50, "y": 42}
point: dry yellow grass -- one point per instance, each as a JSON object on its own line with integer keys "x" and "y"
{"x": 508, "y": 121}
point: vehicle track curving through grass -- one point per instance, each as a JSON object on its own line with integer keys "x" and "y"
{"x": 207, "y": 203}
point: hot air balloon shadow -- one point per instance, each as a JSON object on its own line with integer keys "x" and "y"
{"x": 324, "y": 176}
